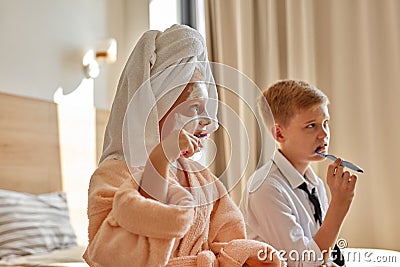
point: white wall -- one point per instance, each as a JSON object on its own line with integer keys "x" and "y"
{"x": 42, "y": 43}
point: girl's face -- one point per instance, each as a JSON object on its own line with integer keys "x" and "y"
{"x": 188, "y": 111}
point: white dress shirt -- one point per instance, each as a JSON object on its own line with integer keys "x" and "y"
{"x": 279, "y": 213}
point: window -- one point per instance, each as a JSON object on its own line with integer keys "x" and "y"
{"x": 164, "y": 13}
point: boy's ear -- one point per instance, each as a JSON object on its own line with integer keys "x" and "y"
{"x": 276, "y": 131}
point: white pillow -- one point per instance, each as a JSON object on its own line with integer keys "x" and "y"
{"x": 31, "y": 224}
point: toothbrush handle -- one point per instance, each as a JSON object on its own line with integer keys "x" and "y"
{"x": 331, "y": 157}
{"x": 351, "y": 166}
{"x": 345, "y": 163}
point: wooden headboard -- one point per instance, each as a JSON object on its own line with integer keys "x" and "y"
{"x": 29, "y": 144}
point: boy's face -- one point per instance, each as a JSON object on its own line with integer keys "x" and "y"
{"x": 306, "y": 132}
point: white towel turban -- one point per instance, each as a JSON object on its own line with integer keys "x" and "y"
{"x": 160, "y": 62}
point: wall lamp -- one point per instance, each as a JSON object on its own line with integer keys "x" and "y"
{"x": 106, "y": 53}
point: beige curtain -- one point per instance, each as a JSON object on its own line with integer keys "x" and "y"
{"x": 350, "y": 49}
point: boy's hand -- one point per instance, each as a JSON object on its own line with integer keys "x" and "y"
{"x": 341, "y": 184}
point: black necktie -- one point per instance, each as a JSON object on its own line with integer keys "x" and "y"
{"x": 337, "y": 255}
{"x": 314, "y": 200}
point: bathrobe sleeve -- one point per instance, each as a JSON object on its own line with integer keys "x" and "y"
{"x": 127, "y": 229}
{"x": 228, "y": 234}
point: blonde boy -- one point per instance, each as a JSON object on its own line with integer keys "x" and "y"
{"x": 276, "y": 206}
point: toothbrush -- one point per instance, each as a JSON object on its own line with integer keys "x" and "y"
{"x": 344, "y": 163}
{"x": 202, "y": 134}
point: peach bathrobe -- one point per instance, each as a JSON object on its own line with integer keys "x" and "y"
{"x": 127, "y": 229}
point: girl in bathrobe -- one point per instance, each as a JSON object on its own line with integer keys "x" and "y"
{"x": 150, "y": 203}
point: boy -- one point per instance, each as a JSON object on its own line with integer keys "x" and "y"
{"x": 276, "y": 205}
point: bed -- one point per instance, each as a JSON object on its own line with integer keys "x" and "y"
{"x": 36, "y": 223}
{"x": 32, "y": 190}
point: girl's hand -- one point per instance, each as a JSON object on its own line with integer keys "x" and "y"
{"x": 180, "y": 143}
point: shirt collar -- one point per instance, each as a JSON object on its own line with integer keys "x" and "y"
{"x": 291, "y": 174}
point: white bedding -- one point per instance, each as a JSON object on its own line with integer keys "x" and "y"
{"x": 65, "y": 257}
